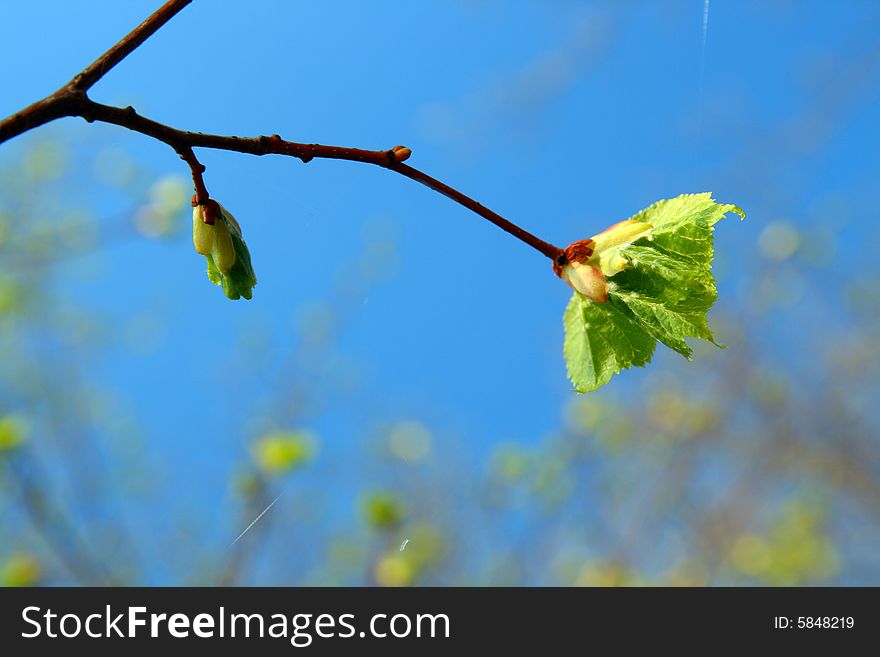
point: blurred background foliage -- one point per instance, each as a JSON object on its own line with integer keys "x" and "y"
{"x": 756, "y": 464}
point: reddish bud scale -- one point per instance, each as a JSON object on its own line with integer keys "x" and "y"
{"x": 572, "y": 267}
{"x": 210, "y": 210}
{"x": 575, "y": 252}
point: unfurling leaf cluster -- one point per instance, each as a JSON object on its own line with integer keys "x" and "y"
{"x": 217, "y": 236}
{"x": 644, "y": 280}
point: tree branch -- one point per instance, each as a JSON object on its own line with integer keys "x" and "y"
{"x": 549, "y": 250}
{"x": 101, "y": 66}
{"x": 58, "y": 104}
{"x": 59, "y": 532}
{"x": 197, "y": 169}
{"x": 72, "y": 100}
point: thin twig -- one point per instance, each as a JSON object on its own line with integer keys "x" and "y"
{"x": 58, "y": 104}
{"x": 197, "y": 169}
{"x": 549, "y": 250}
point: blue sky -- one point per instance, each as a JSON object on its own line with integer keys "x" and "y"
{"x": 564, "y": 117}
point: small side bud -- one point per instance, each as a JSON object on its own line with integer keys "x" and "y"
{"x": 576, "y": 268}
{"x": 220, "y": 241}
{"x": 401, "y": 153}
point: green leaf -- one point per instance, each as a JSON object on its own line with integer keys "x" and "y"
{"x": 600, "y": 340}
{"x": 662, "y": 293}
{"x": 241, "y": 278}
{"x": 214, "y": 274}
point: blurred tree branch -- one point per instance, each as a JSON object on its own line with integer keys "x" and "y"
{"x": 57, "y": 530}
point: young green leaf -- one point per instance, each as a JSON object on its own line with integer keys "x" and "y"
{"x": 601, "y": 340}
{"x": 649, "y": 280}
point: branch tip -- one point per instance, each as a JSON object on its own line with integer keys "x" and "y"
{"x": 399, "y": 154}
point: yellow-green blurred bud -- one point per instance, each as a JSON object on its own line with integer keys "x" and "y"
{"x": 394, "y": 570}
{"x": 382, "y": 510}
{"x": 21, "y": 569}
{"x": 13, "y": 431}
{"x": 282, "y": 451}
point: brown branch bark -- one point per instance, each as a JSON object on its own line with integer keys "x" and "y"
{"x": 128, "y": 44}
{"x": 72, "y": 100}
{"x": 60, "y": 103}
